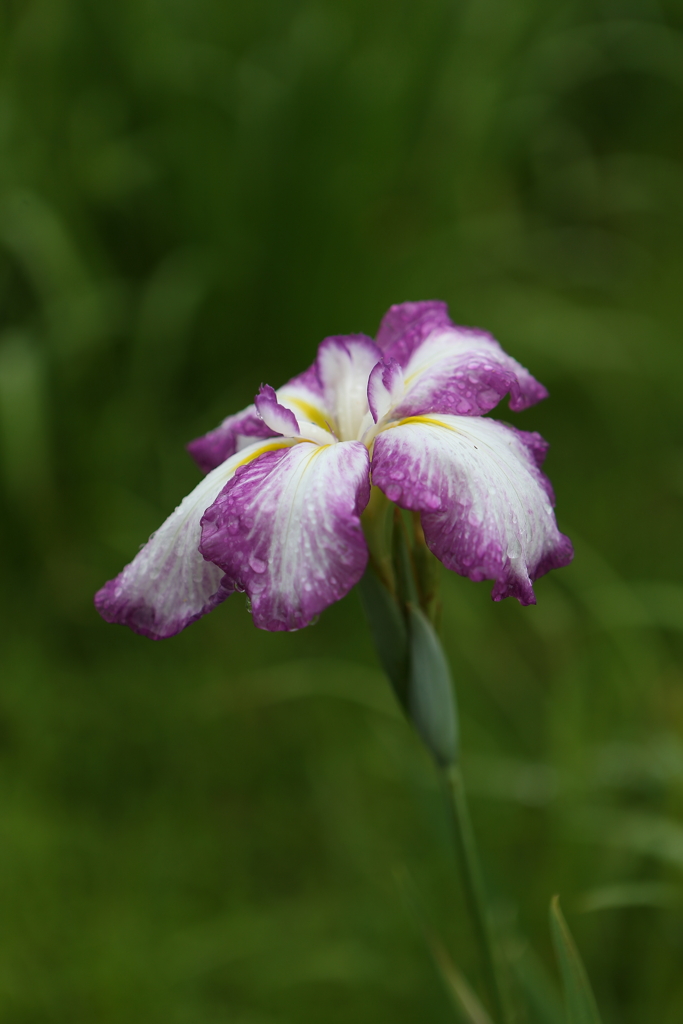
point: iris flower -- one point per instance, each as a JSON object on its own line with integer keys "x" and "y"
{"x": 278, "y": 514}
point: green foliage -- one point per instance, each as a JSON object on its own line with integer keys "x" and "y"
{"x": 192, "y": 194}
{"x": 579, "y": 998}
{"x": 430, "y": 695}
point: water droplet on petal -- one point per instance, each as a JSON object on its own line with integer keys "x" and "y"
{"x": 256, "y": 564}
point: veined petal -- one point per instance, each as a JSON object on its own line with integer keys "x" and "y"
{"x": 344, "y": 363}
{"x": 407, "y": 324}
{"x": 451, "y": 369}
{"x": 386, "y": 388}
{"x": 302, "y": 394}
{"x": 169, "y": 583}
{"x": 466, "y": 373}
{"x": 277, "y": 417}
{"x": 287, "y": 530}
{"x": 486, "y": 507}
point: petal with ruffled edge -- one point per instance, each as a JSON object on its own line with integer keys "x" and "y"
{"x": 486, "y": 506}
{"x": 302, "y": 395}
{"x": 287, "y": 530}
{"x": 169, "y": 583}
{"x": 344, "y": 364}
{"x": 451, "y": 369}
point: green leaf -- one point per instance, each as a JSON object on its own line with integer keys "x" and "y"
{"x": 630, "y": 894}
{"x": 461, "y": 992}
{"x": 388, "y": 630}
{"x": 466, "y": 1001}
{"x": 431, "y": 704}
{"x": 539, "y": 989}
{"x": 579, "y": 999}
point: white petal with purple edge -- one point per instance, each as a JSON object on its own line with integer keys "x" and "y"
{"x": 405, "y": 325}
{"x": 486, "y": 507}
{"x": 344, "y": 364}
{"x": 287, "y": 530}
{"x": 464, "y": 372}
{"x": 169, "y": 583}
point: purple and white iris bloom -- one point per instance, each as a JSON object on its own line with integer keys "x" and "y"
{"x": 278, "y": 514}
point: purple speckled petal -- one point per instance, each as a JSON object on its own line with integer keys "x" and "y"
{"x": 276, "y": 417}
{"x": 451, "y": 369}
{"x": 464, "y": 373}
{"x": 486, "y": 506}
{"x": 385, "y": 388}
{"x": 407, "y": 324}
{"x": 169, "y": 584}
{"x": 302, "y": 394}
{"x": 344, "y": 364}
{"x": 287, "y": 530}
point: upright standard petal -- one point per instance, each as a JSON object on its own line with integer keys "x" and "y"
{"x": 344, "y": 364}
{"x": 287, "y": 530}
{"x": 486, "y": 506}
{"x": 169, "y": 583}
{"x": 449, "y": 369}
{"x": 408, "y": 323}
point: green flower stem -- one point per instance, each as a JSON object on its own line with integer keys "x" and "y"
{"x": 475, "y": 892}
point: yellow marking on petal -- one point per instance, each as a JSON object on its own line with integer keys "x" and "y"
{"x": 312, "y": 414}
{"x": 423, "y": 419}
{"x": 316, "y": 451}
{"x": 267, "y": 448}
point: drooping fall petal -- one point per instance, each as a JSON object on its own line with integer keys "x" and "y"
{"x": 287, "y": 530}
{"x": 486, "y": 507}
{"x": 169, "y": 583}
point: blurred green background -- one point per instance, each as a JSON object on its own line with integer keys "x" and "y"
{"x": 193, "y": 193}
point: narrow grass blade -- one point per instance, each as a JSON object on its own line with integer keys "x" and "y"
{"x": 630, "y": 894}
{"x": 466, "y": 1001}
{"x": 541, "y": 992}
{"x": 463, "y": 995}
{"x": 580, "y": 1001}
